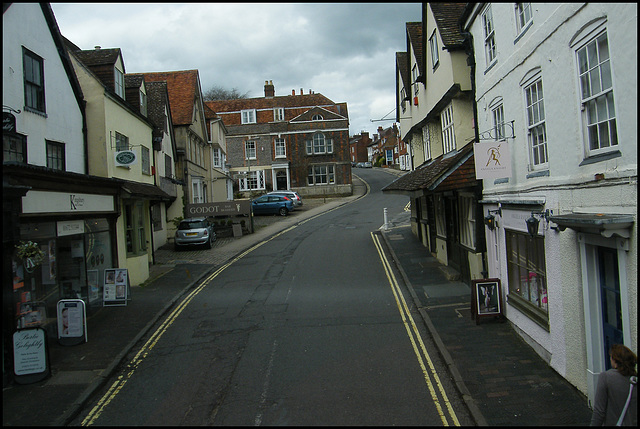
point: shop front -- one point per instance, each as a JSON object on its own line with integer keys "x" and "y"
{"x": 62, "y": 243}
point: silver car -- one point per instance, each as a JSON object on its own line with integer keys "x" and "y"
{"x": 292, "y": 195}
{"x": 194, "y": 231}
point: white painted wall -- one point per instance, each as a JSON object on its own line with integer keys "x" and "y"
{"x": 569, "y": 187}
{"x": 23, "y": 24}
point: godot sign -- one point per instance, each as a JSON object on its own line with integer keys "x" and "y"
{"x": 227, "y": 208}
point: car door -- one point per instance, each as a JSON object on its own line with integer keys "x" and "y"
{"x": 260, "y": 205}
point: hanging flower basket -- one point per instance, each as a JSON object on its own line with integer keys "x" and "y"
{"x": 31, "y": 254}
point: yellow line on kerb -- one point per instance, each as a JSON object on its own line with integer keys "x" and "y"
{"x": 413, "y": 333}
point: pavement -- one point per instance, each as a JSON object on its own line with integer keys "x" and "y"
{"x": 501, "y": 378}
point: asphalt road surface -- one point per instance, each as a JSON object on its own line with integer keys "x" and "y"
{"x": 311, "y": 327}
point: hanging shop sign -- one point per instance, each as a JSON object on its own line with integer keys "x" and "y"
{"x": 8, "y": 123}
{"x": 72, "y": 322}
{"x": 492, "y": 159}
{"x": 30, "y": 355}
{"x": 125, "y": 158}
{"x": 117, "y": 289}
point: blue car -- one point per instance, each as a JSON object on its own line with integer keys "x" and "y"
{"x": 272, "y": 204}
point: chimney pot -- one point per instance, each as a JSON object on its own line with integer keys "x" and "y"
{"x": 300, "y": 91}
{"x": 293, "y": 92}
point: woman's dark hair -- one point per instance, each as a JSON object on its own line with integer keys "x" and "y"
{"x": 625, "y": 359}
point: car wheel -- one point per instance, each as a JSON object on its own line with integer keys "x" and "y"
{"x": 283, "y": 211}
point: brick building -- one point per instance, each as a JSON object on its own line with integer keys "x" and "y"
{"x": 298, "y": 141}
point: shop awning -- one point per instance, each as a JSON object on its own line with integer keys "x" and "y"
{"x": 606, "y": 225}
{"x": 146, "y": 191}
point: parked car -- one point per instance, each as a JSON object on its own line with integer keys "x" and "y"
{"x": 367, "y": 165}
{"x": 360, "y": 165}
{"x": 292, "y": 195}
{"x": 272, "y": 204}
{"x": 194, "y": 231}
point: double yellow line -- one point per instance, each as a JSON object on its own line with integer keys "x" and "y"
{"x": 417, "y": 343}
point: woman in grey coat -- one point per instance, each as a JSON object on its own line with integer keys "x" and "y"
{"x": 612, "y": 392}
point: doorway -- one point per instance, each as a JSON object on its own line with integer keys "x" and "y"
{"x": 281, "y": 181}
{"x": 610, "y": 299}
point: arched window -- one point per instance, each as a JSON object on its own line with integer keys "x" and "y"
{"x": 317, "y": 118}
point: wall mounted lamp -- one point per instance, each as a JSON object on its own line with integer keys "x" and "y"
{"x": 490, "y": 219}
{"x": 533, "y": 221}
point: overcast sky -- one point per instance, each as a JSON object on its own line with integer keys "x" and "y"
{"x": 344, "y": 51}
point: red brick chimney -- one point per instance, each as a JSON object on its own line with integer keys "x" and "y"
{"x": 269, "y": 89}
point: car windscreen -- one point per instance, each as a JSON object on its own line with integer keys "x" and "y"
{"x": 192, "y": 225}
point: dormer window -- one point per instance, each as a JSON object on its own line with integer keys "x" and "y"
{"x": 278, "y": 114}
{"x": 317, "y": 118}
{"x": 249, "y": 116}
{"x": 119, "y": 82}
{"x": 143, "y": 103}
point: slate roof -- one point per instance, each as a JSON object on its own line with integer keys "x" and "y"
{"x": 428, "y": 176}
{"x": 183, "y": 87}
{"x": 447, "y": 16}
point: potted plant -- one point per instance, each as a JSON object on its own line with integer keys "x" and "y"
{"x": 31, "y": 254}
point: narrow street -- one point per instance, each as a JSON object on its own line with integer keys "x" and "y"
{"x": 311, "y": 328}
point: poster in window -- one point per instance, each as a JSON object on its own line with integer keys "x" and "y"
{"x": 116, "y": 286}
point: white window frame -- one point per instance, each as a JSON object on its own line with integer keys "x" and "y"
{"x": 597, "y": 101}
{"x": 145, "y": 160}
{"x": 524, "y": 16}
{"x": 280, "y": 148}
{"x": 536, "y": 124}
{"x": 317, "y": 117}
{"x": 278, "y": 114}
{"x": 319, "y": 144}
{"x": 254, "y": 181}
{"x": 248, "y": 116}
{"x": 497, "y": 114}
{"x": 426, "y": 139}
{"x": 489, "y": 36}
{"x": 433, "y": 45}
{"x": 216, "y": 154}
{"x": 467, "y": 220}
{"x": 143, "y": 103}
{"x": 414, "y": 79}
{"x": 250, "y": 150}
{"x": 118, "y": 82}
{"x": 448, "y": 131}
{"x": 321, "y": 175}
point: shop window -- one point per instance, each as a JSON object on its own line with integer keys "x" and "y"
{"x": 135, "y": 231}
{"x": 526, "y": 269}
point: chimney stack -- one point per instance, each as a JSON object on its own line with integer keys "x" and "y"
{"x": 269, "y": 89}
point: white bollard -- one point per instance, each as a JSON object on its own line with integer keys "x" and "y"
{"x": 386, "y": 222}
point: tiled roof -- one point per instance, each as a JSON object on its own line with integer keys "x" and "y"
{"x": 98, "y": 57}
{"x": 403, "y": 66}
{"x": 428, "y": 176}
{"x": 183, "y": 87}
{"x": 414, "y": 33}
{"x": 447, "y": 16}
{"x": 285, "y": 101}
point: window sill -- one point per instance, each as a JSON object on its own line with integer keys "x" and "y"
{"x": 35, "y": 111}
{"x": 600, "y": 157}
{"x": 538, "y": 316}
{"x": 541, "y": 173}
